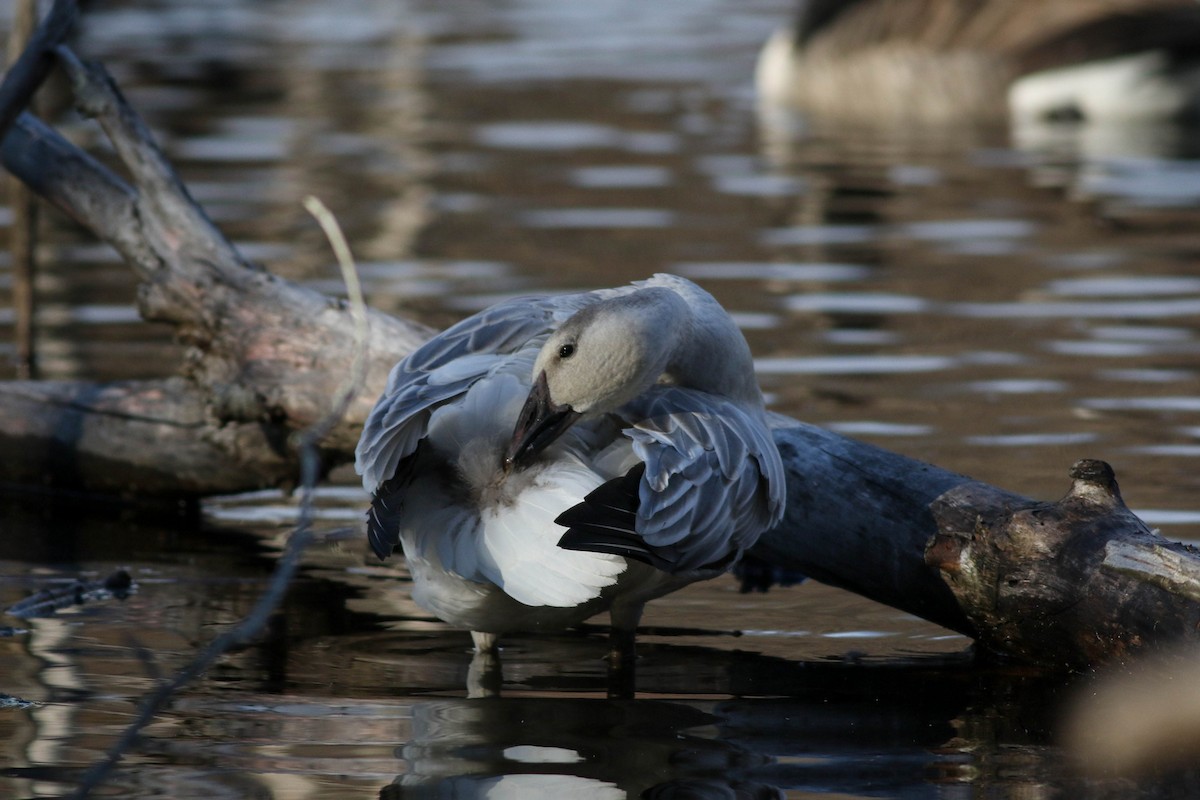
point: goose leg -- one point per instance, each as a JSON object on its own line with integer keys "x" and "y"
{"x": 485, "y": 642}
{"x": 622, "y": 653}
{"x": 484, "y": 676}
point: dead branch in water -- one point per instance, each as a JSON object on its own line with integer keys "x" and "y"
{"x": 1069, "y": 584}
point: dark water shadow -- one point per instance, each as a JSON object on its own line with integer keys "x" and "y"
{"x": 329, "y": 687}
{"x": 710, "y": 722}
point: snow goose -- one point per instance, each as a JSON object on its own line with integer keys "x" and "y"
{"x": 553, "y": 457}
{"x": 956, "y": 60}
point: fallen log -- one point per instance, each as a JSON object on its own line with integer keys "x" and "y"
{"x": 132, "y": 439}
{"x": 1066, "y": 584}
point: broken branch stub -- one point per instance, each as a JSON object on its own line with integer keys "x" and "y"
{"x": 1066, "y": 584}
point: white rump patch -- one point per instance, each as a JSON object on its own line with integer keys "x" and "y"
{"x": 1138, "y": 85}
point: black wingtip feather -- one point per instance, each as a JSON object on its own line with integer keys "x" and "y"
{"x": 613, "y": 503}
{"x": 383, "y": 528}
{"x": 618, "y": 543}
{"x": 606, "y": 521}
{"x": 383, "y": 518}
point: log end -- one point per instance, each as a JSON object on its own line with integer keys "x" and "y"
{"x": 1050, "y": 583}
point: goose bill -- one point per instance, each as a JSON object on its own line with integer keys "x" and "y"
{"x": 538, "y": 425}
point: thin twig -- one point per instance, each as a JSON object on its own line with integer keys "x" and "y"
{"x": 358, "y": 306}
{"x": 289, "y": 561}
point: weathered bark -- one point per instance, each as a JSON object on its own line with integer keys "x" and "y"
{"x": 1065, "y": 584}
{"x": 135, "y": 439}
{"x": 1070, "y": 583}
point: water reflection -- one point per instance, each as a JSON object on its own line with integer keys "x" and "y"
{"x": 851, "y": 731}
{"x": 329, "y": 699}
{"x": 733, "y": 749}
{"x": 620, "y": 177}
{"x": 568, "y": 136}
{"x": 851, "y": 365}
{"x": 549, "y": 748}
{"x": 773, "y": 272}
{"x": 598, "y": 218}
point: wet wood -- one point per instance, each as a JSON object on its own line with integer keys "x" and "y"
{"x": 1071, "y": 583}
{"x": 858, "y": 517}
{"x": 48, "y": 602}
{"x": 136, "y": 439}
{"x": 1064, "y": 584}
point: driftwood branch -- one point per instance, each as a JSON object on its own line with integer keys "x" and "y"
{"x": 263, "y": 356}
{"x": 1070, "y": 583}
{"x": 136, "y": 439}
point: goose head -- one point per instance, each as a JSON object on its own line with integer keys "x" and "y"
{"x": 599, "y": 359}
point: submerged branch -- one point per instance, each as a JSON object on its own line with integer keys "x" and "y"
{"x": 245, "y": 631}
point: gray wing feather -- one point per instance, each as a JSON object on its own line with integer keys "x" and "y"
{"x": 447, "y": 366}
{"x": 713, "y": 479}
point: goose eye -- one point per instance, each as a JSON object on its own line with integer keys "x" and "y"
{"x": 566, "y": 351}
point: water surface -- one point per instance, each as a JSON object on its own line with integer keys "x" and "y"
{"x": 1000, "y": 305}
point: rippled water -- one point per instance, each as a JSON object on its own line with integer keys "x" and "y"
{"x": 999, "y": 304}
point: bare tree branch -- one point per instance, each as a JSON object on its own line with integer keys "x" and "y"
{"x": 30, "y": 69}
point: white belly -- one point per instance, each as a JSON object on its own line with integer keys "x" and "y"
{"x": 481, "y": 606}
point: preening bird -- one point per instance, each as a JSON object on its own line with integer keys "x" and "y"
{"x": 965, "y": 60}
{"x": 552, "y": 457}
